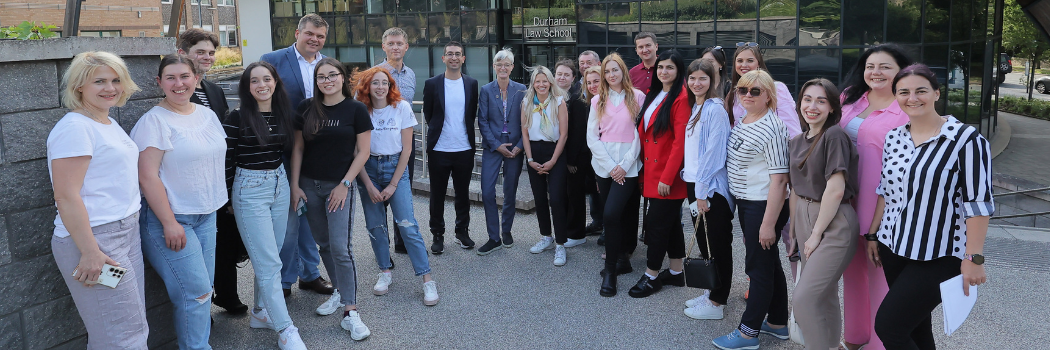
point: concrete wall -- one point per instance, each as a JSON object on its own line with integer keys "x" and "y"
{"x": 36, "y": 311}
{"x": 256, "y": 35}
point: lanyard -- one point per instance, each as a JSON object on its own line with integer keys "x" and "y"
{"x": 504, "y": 98}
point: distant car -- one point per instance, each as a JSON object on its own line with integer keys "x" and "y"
{"x": 1042, "y": 84}
{"x": 1005, "y": 66}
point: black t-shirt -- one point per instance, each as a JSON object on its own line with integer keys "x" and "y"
{"x": 327, "y": 155}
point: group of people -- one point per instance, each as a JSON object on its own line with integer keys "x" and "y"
{"x": 874, "y": 161}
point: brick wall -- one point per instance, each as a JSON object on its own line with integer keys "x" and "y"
{"x": 128, "y": 16}
{"x": 36, "y": 311}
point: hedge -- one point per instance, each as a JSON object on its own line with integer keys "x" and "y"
{"x": 1017, "y": 105}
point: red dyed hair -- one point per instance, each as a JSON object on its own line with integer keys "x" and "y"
{"x": 364, "y": 83}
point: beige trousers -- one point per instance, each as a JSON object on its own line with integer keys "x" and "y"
{"x": 815, "y": 298}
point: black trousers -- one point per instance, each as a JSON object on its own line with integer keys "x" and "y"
{"x": 720, "y": 234}
{"x": 459, "y": 166}
{"x": 621, "y": 208}
{"x": 229, "y": 250}
{"x": 663, "y": 232}
{"x": 903, "y": 320}
{"x": 576, "y": 196}
{"x": 597, "y": 206}
{"x": 549, "y": 191}
{"x": 767, "y": 298}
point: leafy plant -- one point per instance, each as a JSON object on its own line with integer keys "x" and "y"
{"x": 1019, "y": 105}
{"x": 227, "y": 57}
{"x": 29, "y": 31}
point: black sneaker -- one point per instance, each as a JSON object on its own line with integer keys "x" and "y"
{"x": 508, "y": 241}
{"x": 489, "y": 247}
{"x": 666, "y": 278}
{"x": 601, "y": 239}
{"x": 400, "y": 249}
{"x": 464, "y": 240}
{"x": 391, "y": 263}
{"x": 438, "y": 246}
{"x": 594, "y": 229}
{"x": 645, "y": 287}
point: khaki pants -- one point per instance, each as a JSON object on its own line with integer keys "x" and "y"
{"x": 815, "y": 298}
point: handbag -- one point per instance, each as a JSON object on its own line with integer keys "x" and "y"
{"x": 794, "y": 332}
{"x": 699, "y": 272}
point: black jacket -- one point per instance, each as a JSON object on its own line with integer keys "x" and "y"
{"x": 216, "y": 98}
{"x": 576, "y": 150}
{"x": 434, "y": 108}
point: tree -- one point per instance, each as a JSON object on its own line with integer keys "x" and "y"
{"x": 1020, "y": 37}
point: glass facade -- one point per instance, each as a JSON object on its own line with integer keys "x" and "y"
{"x": 801, "y": 39}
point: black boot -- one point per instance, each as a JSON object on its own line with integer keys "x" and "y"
{"x": 438, "y": 246}
{"x": 601, "y": 239}
{"x": 623, "y": 266}
{"x": 608, "y": 284}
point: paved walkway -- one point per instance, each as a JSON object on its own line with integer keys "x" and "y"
{"x": 1028, "y": 154}
{"x": 512, "y": 299}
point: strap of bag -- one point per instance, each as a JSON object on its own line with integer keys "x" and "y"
{"x": 696, "y": 225}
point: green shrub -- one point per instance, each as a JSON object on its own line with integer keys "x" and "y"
{"x": 28, "y": 31}
{"x": 1017, "y": 105}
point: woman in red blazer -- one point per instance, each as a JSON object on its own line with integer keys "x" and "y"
{"x": 662, "y": 129}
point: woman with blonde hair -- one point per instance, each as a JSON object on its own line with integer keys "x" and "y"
{"x": 615, "y": 145}
{"x": 93, "y": 167}
{"x": 757, "y": 163}
{"x": 544, "y": 129}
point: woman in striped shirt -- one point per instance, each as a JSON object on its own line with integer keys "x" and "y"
{"x": 256, "y": 137}
{"x": 936, "y": 192}
{"x": 757, "y": 164}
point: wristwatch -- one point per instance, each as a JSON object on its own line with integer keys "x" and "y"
{"x": 346, "y": 183}
{"x": 528, "y": 160}
{"x": 871, "y": 237}
{"x": 976, "y": 259}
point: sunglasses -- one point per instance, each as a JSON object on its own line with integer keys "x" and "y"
{"x": 746, "y": 43}
{"x": 719, "y": 48}
{"x": 743, "y": 91}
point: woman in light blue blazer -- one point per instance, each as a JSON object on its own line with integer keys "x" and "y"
{"x": 499, "y": 118}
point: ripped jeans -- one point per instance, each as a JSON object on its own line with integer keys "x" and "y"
{"x": 380, "y": 170}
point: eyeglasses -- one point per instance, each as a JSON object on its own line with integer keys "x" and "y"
{"x": 453, "y": 54}
{"x": 503, "y": 65}
{"x": 328, "y": 78}
{"x": 743, "y": 91}
{"x": 746, "y": 43}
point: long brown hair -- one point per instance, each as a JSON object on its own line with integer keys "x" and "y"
{"x": 314, "y": 116}
{"x": 628, "y": 88}
{"x": 831, "y": 93}
{"x": 363, "y": 88}
{"x": 734, "y": 77}
{"x": 708, "y": 67}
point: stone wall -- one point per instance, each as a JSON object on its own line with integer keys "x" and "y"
{"x": 36, "y": 311}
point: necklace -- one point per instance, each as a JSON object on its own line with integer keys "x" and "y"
{"x": 93, "y": 117}
{"x": 172, "y": 107}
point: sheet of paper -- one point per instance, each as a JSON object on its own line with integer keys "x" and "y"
{"x": 955, "y": 304}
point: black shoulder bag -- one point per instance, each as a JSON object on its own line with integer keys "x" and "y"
{"x": 701, "y": 273}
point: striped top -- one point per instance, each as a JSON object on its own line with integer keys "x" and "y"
{"x": 932, "y": 188}
{"x": 200, "y": 97}
{"x": 243, "y": 149}
{"x": 756, "y": 150}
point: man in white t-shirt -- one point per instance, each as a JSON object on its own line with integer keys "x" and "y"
{"x": 450, "y": 107}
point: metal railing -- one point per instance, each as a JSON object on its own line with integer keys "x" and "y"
{"x": 1024, "y": 214}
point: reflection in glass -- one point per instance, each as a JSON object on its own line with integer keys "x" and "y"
{"x": 658, "y": 18}
{"x": 418, "y": 60}
{"x": 744, "y": 13}
{"x": 592, "y": 25}
{"x": 437, "y": 66}
{"x": 474, "y": 4}
{"x": 781, "y": 64}
{"x": 936, "y": 20}
{"x": 415, "y": 27}
{"x": 818, "y": 63}
{"x": 906, "y": 16}
{"x": 413, "y": 5}
{"x": 849, "y": 59}
{"x": 961, "y": 20}
{"x": 863, "y": 22}
{"x": 478, "y": 64}
{"x": 358, "y": 30}
{"x": 287, "y": 8}
{"x": 352, "y": 55}
{"x": 623, "y": 23}
{"x": 444, "y": 27}
{"x": 936, "y": 57}
{"x": 284, "y": 31}
{"x": 376, "y": 26}
{"x": 695, "y": 22}
{"x": 820, "y": 23}
{"x": 474, "y": 27}
{"x": 339, "y": 31}
{"x": 978, "y": 102}
{"x": 980, "y": 18}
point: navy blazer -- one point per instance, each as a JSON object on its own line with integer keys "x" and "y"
{"x": 490, "y": 115}
{"x": 287, "y": 65}
{"x": 434, "y": 108}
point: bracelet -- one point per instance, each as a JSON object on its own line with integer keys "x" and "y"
{"x": 871, "y": 237}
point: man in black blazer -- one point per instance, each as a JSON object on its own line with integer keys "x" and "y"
{"x": 450, "y": 106}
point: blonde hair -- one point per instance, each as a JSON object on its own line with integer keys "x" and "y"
{"x": 586, "y": 94}
{"x": 628, "y": 88}
{"x": 83, "y": 67}
{"x": 761, "y": 79}
{"x": 554, "y": 92}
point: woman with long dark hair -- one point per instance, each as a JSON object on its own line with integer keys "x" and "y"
{"x": 256, "y": 137}
{"x": 662, "y": 129}
{"x": 332, "y": 136}
{"x": 823, "y": 178}
{"x": 716, "y": 54}
{"x": 869, "y": 112}
{"x": 544, "y": 130}
{"x": 748, "y": 57}
{"x": 707, "y": 183}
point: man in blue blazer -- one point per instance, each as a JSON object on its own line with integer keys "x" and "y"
{"x": 295, "y": 65}
{"x": 499, "y": 118}
{"x": 450, "y": 106}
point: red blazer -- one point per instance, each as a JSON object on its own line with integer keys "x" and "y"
{"x": 662, "y": 156}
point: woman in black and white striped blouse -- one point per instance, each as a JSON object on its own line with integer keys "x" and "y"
{"x": 935, "y": 202}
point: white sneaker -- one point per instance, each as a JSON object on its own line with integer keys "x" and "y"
{"x": 260, "y": 320}
{"x": 559, "y": 255}
{"x": 382, "y": 284}
{"x": 430, "y": 293}
{"x": 544, "y": 244}
{"x": 352, "y": 322}
{"x": 703, "y": 298}
{"x": 575, "y": 242}
{"x": 705, "y": 311}
{"x": 331, "y": 306}
{"x": 290, "y": 339}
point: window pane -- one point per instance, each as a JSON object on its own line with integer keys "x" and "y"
{"x": 415, "y": 27}
{"x": 936, "y": 21}
{"x": 732, "y": 32}
{"x": 563, "y": 21}
{"x": 287, "y": 8}
{"x": 358, "y": 31}
{"x": 623, "y": 23}
{"x": 696, "y": 22}
{"x": 658, "y": 18}
{"x": 445, "y": 5}
{"x": 353, "y": 56}
{"x": 592, "y": 26}
{"x": 936, "y": 57}
{"x": 976, "y": 101}
{"x": 284, "y": 31}
{"x": 444, "y": 27}
{"x": 863, "y": 24}
{"x": 980, "y": 19}
{"x": 340, "y": 31}
{"x": 781, "y": 64}
{"x": 849, "y": 59}
{"x": 436, "y": 66}
{"x": 376, "y": 26}
{"x": 417, "y": 58}
{"x": 475, "y": 4}
{"x": 818, "y": 63}
{"x": 961, "y": 20}
{"x": 478, "y": 64}
{"x": 821, "y": 23}
{"x": 380, "y": 6}
{"x": 906, "y": 16}
{"x": 413, "y": 6}
{"x": 475, "y": 27}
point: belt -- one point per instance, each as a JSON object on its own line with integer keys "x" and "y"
{"x": 807, "y": 199}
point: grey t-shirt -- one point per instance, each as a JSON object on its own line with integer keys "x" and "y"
{"x": 834, "y": 152}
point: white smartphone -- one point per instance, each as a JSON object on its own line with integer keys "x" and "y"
{"x": 300, "y": 208}
{"x": 109, "y": 277}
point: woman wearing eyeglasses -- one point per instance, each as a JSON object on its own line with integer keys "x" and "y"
{"x": 757, "y": 164}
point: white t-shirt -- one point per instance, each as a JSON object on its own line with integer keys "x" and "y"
{"x": 453, "y": 136}
{"x": 387, "y": 123}
{"x": 193, "y": 166}
{"x": 110, "y": 191}
{"x": 652, "y": 107}
{"x": 756, "y": 150}
{"x": 692, "y": 141}
{"x": 535, "y": 132}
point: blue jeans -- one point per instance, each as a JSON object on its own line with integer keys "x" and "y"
{"x": 332, "y": 233}
{"x": 187, "y": 274}
{"x": 380, "y": 170}
{"x": 299, "y": 257}
{"x": 260, "y": 201}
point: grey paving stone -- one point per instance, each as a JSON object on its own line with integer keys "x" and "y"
{"x": 33, "y": 237}
{"x": 5, "y": 251}
{"x": 11, "y": 331}
{"x": 37, "y": 83}
{"x": 25, "y": 185}
{"x": 161, "y": 325}
{"x": 30, "y": 282}
{"x": 52, "y": 323}
{"x": 25, "y": 133}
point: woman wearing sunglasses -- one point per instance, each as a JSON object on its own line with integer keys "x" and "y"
{"x": 757, "y": 164}
{"x": 748, "y": 57}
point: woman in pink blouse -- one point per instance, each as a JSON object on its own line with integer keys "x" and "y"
{"x": 869, "y": 111}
